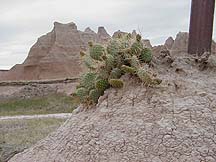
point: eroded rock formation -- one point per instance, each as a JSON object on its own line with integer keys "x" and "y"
{"x": 56, "y": 54}
{"x": 169, "y": 43}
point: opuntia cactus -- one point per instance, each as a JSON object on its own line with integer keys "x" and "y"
{"x": 146, "y": 55}
{"x": 101, "y": 85}
{"x": 137, "y": 46}
{"x": 106, "y": 66}
{"x": 88, "y": 80}
{"x": 96, "y": 52}
{"x": 104, "y": 73}
{"x": 89, "y": 63}
{"x": 113, "y": 47}
{"x": 128, "y": 69}
{"x": 145, "y": 77}
{"x": 81, "y": 93}
{"x": 94, "y": 95}
{"x": 110, "y": 62}
{"x": 116, "y": 83}
{"x": 134, "y": 61}
{"x": 115, "y": 73}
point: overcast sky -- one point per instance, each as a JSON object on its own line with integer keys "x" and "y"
{"x": 23, "y": 21}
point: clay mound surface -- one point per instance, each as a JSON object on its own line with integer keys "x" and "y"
{"x": 174, "y": 122}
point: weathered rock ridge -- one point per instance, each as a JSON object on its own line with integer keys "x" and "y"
{"x": 56, "y": 54}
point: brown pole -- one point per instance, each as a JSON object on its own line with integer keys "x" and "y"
{"x": 201, "y": 26}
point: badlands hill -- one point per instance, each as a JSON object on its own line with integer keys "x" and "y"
{"x": 173, "y": 122}
{"x": 56, "y": 54}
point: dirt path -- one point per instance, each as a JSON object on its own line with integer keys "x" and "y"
{"x": 20, "y": 117}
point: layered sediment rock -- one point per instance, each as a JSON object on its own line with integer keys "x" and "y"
{"x": 56, "y": 54}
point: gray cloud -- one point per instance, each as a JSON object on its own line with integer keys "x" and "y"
{"x": 23, "y": 21}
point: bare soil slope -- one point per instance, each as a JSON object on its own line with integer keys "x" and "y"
{"x": 174, "y": 122}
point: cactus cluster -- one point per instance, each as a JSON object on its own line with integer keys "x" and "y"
{"x": 107, "y": 64}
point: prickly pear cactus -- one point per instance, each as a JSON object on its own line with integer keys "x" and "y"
{"x": 128, "y": 69}
{"x": 115, "y": 73}
{"x": 94, "y": 95}
{"x": 81, "y": 93}
{"x": 101, "y": 85}
{"x": 96, "y": 52}
{"x": 136, "y": 48}
{"x": 88, "y": 80}
{"x": 146, "y": 55}
{"x": 110, "y": 62}
{"x": 113, "y": 47}
{"x": 107, "y": 65}
{"x": 116, "y": 83}
{"x": 145, "y": 77}
{"x": 134, "y": 61}
{"x": 104, "y": 73}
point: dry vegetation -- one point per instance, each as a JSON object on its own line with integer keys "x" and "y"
{"x": 38, "y": 105}
{"x": 17, "y": 135}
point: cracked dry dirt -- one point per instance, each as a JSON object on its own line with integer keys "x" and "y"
{"x": 174, "y": 122}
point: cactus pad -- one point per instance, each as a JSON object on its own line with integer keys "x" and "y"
{"x": 96, "y": 52}
{"x": 146, "y": 55}
{"x": 136, "y": 48}
{"x": 145, "y": 77}
{"x": 113, "y": 47}
{"x": 88, "y": 80}
{"x": 134, "y": 61}
{"x": 101, "y": 85}
{"x": 81, "y": 93}
{"x": 128, "y": 69}
{"x": 89, "y": 62}
{"x": 116, "y": 83}
{"x": 110, "y": 62}
{"x": 115, "y": 73}
{"x": 94, "y": 95}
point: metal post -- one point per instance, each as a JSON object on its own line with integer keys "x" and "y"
{"x": 201, "y": 26}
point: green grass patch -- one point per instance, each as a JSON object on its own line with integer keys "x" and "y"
{"x": 17, "y": 135}
{"x": 40, "y": 105}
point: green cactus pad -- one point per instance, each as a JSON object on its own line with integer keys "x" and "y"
{"x": 101, "y": 85}
{"x": 113, "y": 47}
{"x": 116, "y": 73}
{"x": 104, "y": 73}
{"x": 110, "y": 61}
{"x": 116, "y": 83}
{"x": 81, "y": 93}
{"x": 128, "y": 69}
{"x": 146, "y": 55}
{"x": 144, "y": 76}
{"x": 94, "y": 95}
{"x": 89, "y": 63}
{"x": 96, "y": 52}
{"x": 134, "y": 61}
{"x": 136, "y": 48}
{"x": 156, "y": 81}
{"x": 88, "y": 80}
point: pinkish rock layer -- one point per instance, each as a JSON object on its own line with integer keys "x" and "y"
{"x": 56, "y": 54}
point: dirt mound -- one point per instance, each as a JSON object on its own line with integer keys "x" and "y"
{"x": 172, "y": 122}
